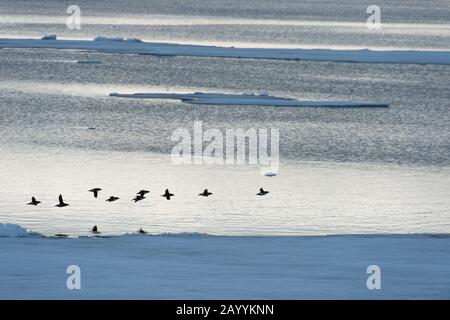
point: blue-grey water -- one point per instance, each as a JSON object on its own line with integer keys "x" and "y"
{"x": 341, "y": 171}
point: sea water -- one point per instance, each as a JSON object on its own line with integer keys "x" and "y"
{"x": 341, "y": 170}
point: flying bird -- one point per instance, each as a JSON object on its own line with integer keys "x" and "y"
{"x": 142, "y": 192}
{"x": 95, "y": 191}
{"x": 112, "y": 199}
{"x": 33, "y": 202}
{"x": 138, "y": 198}
{"x": 262, "y": 192}
{"x": 205, "y": 193}
{"x": 167, "y": 194}
{"x": 61, "y": 202}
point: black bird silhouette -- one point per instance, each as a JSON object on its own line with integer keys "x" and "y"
{"x": 112, "y": 199}
{"x": 142, "y": 192}
{"x": 205, "y": 193}
{"x": 95, "y": 230}
{"x": 138, "y": 198}
{"x": 95, "y": 191}
{"x": 141, "y": 231}
{"x": 61, "y": 202}
{"x": 262, "y": 192}
{"x": 33, "y": 202}
{"x": 167, "y": 194}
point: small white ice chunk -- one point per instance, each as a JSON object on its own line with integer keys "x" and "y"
{"x": 270, "y": 174}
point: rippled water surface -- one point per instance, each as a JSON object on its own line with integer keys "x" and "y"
{"x": 341, "y": 170}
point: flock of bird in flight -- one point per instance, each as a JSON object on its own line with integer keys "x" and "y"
{"x": 139, "y": 197}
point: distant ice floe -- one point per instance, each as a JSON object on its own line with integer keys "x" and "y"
{"x": 89, "y": 61}
{"x": 250, "y": 99}
{"x": 137, "y": 46}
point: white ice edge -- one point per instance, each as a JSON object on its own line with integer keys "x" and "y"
{"x": 251, "y": 99}
{"x": 10, "y": 230}
{"x": 136, "y": 46}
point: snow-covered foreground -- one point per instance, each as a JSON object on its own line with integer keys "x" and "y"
{"x": 196, "y": 266}
{"x": 250, "y": 99}
{"x": 136, "y": 46}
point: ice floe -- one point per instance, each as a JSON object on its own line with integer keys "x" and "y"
{"x": 137, "y": 46}
{"x": 196, "y": 266}
{"x": 250, "y": 99}
{"x": 89, "y": 61}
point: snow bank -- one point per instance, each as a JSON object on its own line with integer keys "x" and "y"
{"x": 198, "y": 266}
{"x": 136, "y": 46}
{"x": 8, "y": 230}
{"x": 250, "y": 99}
